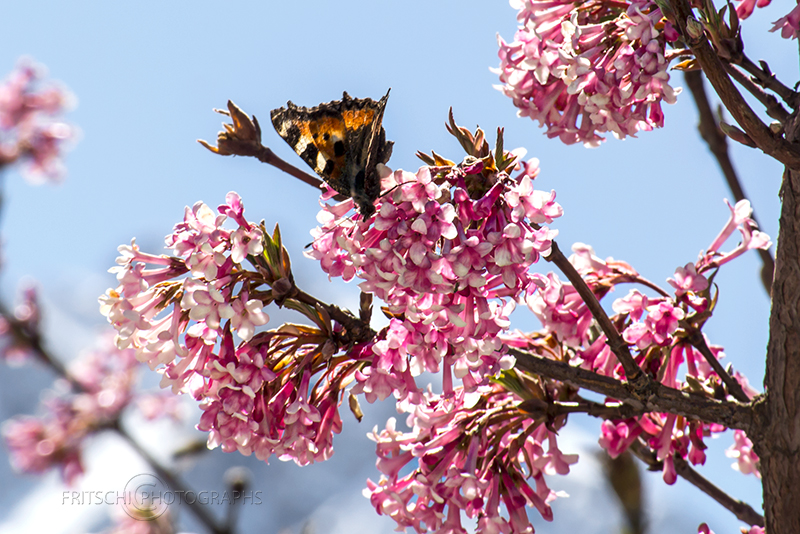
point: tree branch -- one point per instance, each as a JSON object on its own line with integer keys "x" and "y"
{"x": 743, "y": 511}
{"x": 33, "y": 341}
{"x": 198, "y": 508}
{"x": 766, "y": 78}
{"x": 771, "y": 104}
{"x": 243, "y": 138}
{"x": 633, "y": 373}
{"x": 658, "y": 397}
{"x": 553, "y": 409}
{"x": 357, "y": 330}
{"x": 771, "y": 144}
{"x": 696, "y": 339}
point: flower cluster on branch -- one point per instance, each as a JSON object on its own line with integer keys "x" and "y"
{"x": 29, "y": 131}
{"x": 449, "y": 252}
{"x": 586, "y": 68}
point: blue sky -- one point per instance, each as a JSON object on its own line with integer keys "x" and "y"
{"x": 147, "y": 75}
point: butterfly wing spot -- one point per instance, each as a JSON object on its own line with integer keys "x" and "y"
{"x": 339, "y": 149}
{"x": 310, "y": 155}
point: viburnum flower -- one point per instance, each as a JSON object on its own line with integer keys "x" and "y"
{"x": 752, "y": 238}
{"x": 29, "y": 131}
{"x": 746, "y": 7}
{"x": 105, "y": 380}
{"x": 664, "y": 332}
{"x": 587, "y": 68}
{"x": 449, "y": 258}
{"x": 14, "y": 333}
{"x": 38, "y": 444}
{"x": 448, "y": 250}
{"x": 473, "y": 453}
{"x": 181, "y": 315}
{"x": 747, "y": 461}
{"x": 789, "y": 25}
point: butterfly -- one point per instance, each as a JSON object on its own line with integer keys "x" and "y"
{"x": 343, "y": 141}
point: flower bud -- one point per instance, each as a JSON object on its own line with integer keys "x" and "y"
{"x": 694, "y": 29}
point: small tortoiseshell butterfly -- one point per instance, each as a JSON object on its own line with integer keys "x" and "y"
{"x": 343, "y": 141}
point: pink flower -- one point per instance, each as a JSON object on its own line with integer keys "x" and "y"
{"x": 28, "y": 129}
{"x": 539, "y": 207}
{"x": 36, "y": 445}
{"x": 446, "y": 262}
{"x": 751, "y": 237}
{"x": 107, "y": 377}
{"x": 616, "y": 437}
{"x": 662, "y": 320}
{"x": 457, "y": 465}
{"x": 788, "y": 25}
{"x": 747, "y": 461}
{"x": 587, "y": 69}
{"x": 560, "y": 309}
{"x": 746, "y": 7}
{"x": 634, "y": 304}
{"x": 687, "y": 279}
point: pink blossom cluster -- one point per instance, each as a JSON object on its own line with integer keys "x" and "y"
{"x": 261, "y": 395}
{"x": 450, "y": 260}
{"x": 586, "y": 68}
{"x": 449, "y": 267}
{"x": 29, "y": 131}
{"x": 474, "y": 453}
{"x": 789, "y": 25}
{"x": 655, "y": 327}
{"x": 105, "y": 381}
{"x": 741, "y": 220}
{"x": 747, "y": 461}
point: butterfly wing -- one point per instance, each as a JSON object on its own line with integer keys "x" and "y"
{"x": 319, "y": 136}
{"x": 363, "y": 119}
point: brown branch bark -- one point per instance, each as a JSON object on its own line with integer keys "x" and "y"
{"x": 777, "y": 434}
{"x": 743, "y": 511}
{"x": 771, "y": 104}
{"x": 633, "y": 373}
{"x": 770, "y": 143}
{"x": 658, "y": 398}
{"x": 243, "y": 138}
{"x": 767, "y": 79}
{"x": 698, "y": 342}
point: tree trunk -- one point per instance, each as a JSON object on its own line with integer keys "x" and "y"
{"x": 777, "y": 437}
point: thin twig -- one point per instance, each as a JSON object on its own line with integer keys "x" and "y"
{"x": 771, "y": 144}
{"x": 553, "y": 409}
{"x": 771, "y": 104}
{"x": 197, "y": 507}
{"x": 766, "y": 78}
{"x": 33, "y": 341}
{"x": 358, "y": 330}
{"x": 718, "y": 144}
{"x": 698, "y": 341}
{"x": 633, "y": 373}
{"x": 743, "y": 511}
{"x": 243, "y": 138}
{"x": 265, "y": 155}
